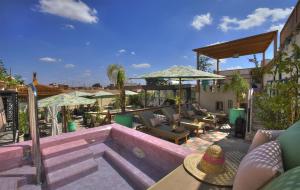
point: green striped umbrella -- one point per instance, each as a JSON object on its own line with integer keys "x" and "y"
{"x": 181, "y": 73}
{"x": 64, "y": 100}
{"x": 103, "y": 94}
{"x": 130, "y": 93}
{"x": 80, "y": 94}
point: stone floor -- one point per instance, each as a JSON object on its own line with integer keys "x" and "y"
{"x": 222, "y": 137}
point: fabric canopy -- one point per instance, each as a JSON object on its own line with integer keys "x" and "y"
{"x": 130, "y": 93}
{"x": 103, "y": 94}
{"x": 80, "y": 94}
{"x": 64, "y": 100}
{"x": 182, "y": 72}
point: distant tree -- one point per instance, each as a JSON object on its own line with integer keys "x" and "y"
{"x": 3, "y": 71}
{"x": 204, "y": 63}
{"x": 97, "y": 85}
{"x": 116, "y": 74}
{"x": 239, "y": 86}
{"x": 19, "y": 79}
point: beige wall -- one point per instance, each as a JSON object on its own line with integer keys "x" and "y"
{"x": 208, "y": 99}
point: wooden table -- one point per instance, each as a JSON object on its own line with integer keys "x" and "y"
{"x": 179, "y": 179}
{"x": 198, "y": 126}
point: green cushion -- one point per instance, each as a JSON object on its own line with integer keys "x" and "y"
{"x": 124, "y": 119}
{"x": 295, "y": 126}
{"x": 287, "y": 180}
{"x": 289, "y": 144}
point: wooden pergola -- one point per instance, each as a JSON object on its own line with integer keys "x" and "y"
{"x": 240, "y": 47}
{"x": 43, "y": 91}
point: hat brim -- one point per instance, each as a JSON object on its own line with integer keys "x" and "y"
{"x": 223, "y": 179}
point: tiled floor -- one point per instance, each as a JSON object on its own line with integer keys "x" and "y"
{"x": 222, "y": 137}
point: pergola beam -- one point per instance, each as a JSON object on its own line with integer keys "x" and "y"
{"x": 245, "y": 46}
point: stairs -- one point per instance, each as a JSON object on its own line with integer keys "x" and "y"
{"x": 67, "y": 162}
{"x": 18, "y": 178}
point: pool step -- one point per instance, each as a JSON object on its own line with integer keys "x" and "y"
{"x": 61, "y": 177}
{"x": 65, "y": 160}
{"x": 11, "y": 183}
{"x": 138, "y": 178}
{"x": 64, "y": 148}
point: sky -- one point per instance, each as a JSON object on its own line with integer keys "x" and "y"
{"x": 73, "y": 41}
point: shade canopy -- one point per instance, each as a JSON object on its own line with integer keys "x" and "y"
{"x": 80, "y": 94}
{"x": 130, "y": 93}
{"x": 182, "y": 72}
{"x": 240, "y": 47}
{"x": 64, "y": 100}
{"x": 102, "y": 94}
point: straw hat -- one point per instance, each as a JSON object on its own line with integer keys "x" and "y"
{"x": 211, "y": 167}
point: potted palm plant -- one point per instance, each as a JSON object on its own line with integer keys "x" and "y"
{"x": 70, "y": 122}
{"x": 240, "y": 88}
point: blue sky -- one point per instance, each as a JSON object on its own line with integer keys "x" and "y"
{"x": 73, "y": 41}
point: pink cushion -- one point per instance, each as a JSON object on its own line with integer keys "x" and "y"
{"x": 262, "y": 137}
{"x": 155, "y": 122}
{"x": 259, "y": 167}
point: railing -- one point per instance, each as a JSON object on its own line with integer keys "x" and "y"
{"x": 109, "y": 115}
{"x": 291, "y": 25}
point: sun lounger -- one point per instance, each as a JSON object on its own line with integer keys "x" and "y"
{"x": 187, "y": 123}
{"x": 162, "y": 130}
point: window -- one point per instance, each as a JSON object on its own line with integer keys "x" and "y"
{"x": 219, "y": 106}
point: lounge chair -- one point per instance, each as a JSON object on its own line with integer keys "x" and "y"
{"x": 221, "y": 117}
{"x": 208, "y": 118}
{"x": 187, "y": 123}
{"x": 162, "y": 130}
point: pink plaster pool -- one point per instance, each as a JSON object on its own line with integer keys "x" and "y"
{"x": 107, "y": 157}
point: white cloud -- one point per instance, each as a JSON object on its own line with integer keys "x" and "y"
{"x": 69, "y": 66}
{"x": 122, "y": 51}
{"x": 141, "y": 65}
{"x": 69, "y": 26}
{"x": 185, "y": 57}
{"x": 233, "y": 68}
{"x": 276, "y": 27}
{"x": 49, "y": 60}
{"x": 200, "y": 21}
{"x": 71, "y": 9}
{"x": 257, "y": 18}
{"x": 132, "y": 53}
{"x": 87, "y": 43}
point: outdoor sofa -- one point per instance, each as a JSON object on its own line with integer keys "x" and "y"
{"x": 272, "y": 161}
{"x": 162, "y": 130}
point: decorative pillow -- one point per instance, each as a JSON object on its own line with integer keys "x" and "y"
{"x": 176, "y": 117}
{"x": 155, "y": 121}
{"x": 264, "y": 136}
{"x": 295, "y": 126}
{"x": 191, "y": 113}
{"x": 287, "y": 180}
{"x": 259, "y": 167}
{"x": 289, "y": 143}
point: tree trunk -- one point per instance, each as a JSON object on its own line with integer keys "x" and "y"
{"x": 122, "y": 99}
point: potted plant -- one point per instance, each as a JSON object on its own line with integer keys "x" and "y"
{"x": 23, "y": 126}
{"x": 70, "y": 122}
{"x": 240, "y": 88}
